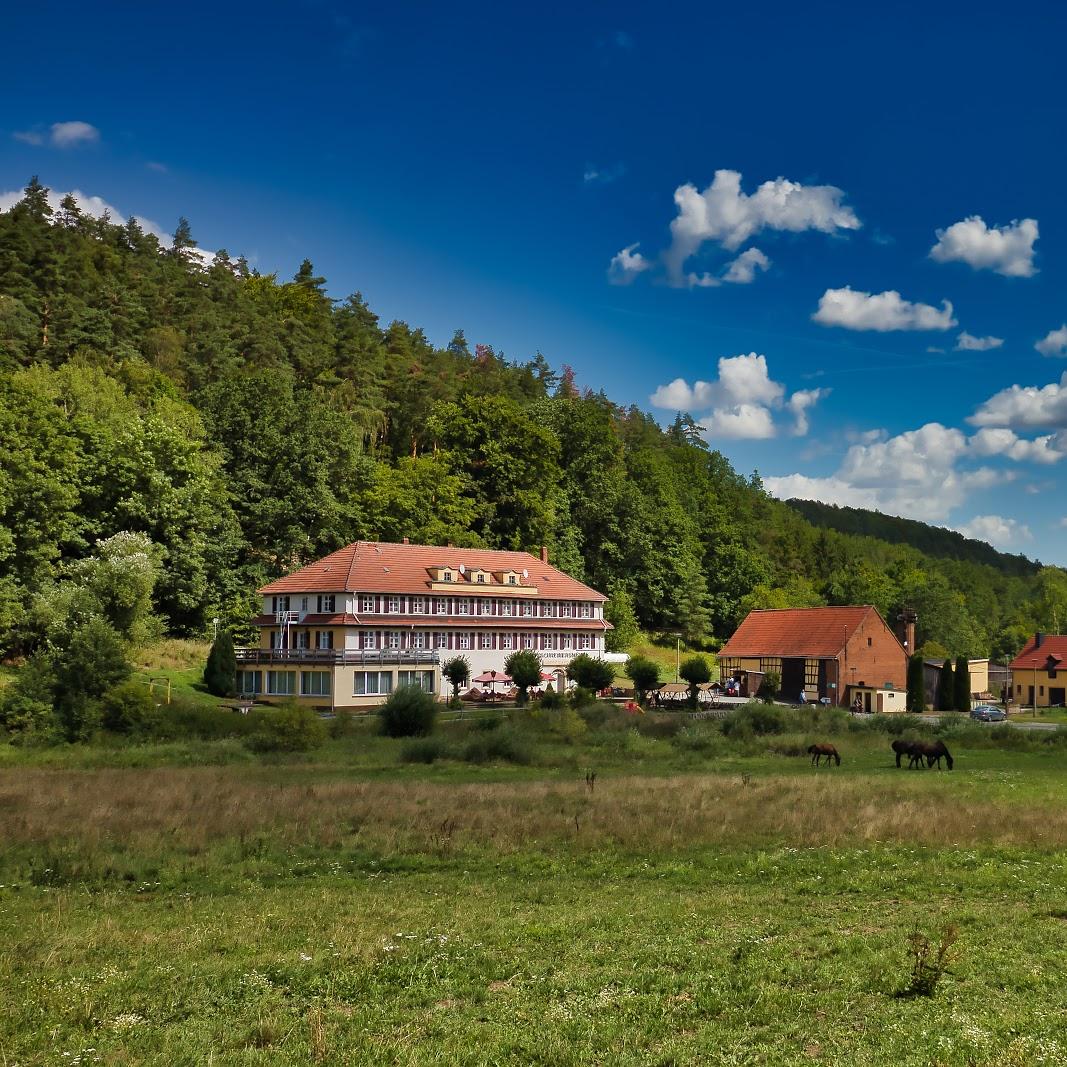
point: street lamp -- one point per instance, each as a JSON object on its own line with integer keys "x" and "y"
{"x": 677, "y": 657}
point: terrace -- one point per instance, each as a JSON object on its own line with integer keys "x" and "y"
{"x": 337, "y": 657}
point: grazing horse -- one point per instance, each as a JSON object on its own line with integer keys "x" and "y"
{"x": 818, "y": 751}
{"x": 909, "y": 749}
{"x": 934, "y": 752}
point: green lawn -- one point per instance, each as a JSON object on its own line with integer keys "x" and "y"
{"x": 706, "y": 902}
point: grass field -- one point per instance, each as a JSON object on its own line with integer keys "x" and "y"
{"x": 709, "y": 900}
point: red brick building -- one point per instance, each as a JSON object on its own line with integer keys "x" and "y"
{"x": 842, "y": 654}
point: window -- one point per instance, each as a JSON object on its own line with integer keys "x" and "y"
{"x": 249, "y": 683}
{"x": 587, "y": 611}
{"x": 446, "y": 576}
{"x": 325, "y": 602}
{"x": 275, "y": 639}
{"x": 464, "y": 640}
{"x": 423, "y": 679}
{"x": 394, "y": 605}
{"x": 548, "y": 611}
{"x": 505, "y": 608}
{"x": 440, "y": 605}
{"x": 304, "y": 604}
{"x": 463, "y": 607}
{"x": 302, "y": 639}
{"x": 372, "y": 683}
{"x": 565, "y": 611}
{"x": 440, "y": 640}
{"x": 1040, "y": 690}
{"x": 393, "y": 639}
{"x": 566, "y": 641}
{"x": 527, "y": 608}
{"x": 584, "y": 641}
{"x": 485, "y": 607}
{"x": 314, "y": 683}
{"x": 479, "y": 577}
{"x": 417, "y": 605}
{"x": 281, "y": 683}
{"x": 869, "y": 642}
{"x": 279, "y": 603}
{"x": 512, "y": 580}
{"x": 505, "y": 640}
{"x": 366, "y": 603}
{"x": 527, "y": 640}
{"x": 548, "y": 640}
{"x": 324, "y": 639}
{"x": 485, "y": 641}
{"x": 811, "y": 673}
{"x": 418, "y": 639}
{"x": 368, "y": 639}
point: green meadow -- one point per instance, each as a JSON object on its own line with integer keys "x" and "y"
{"x": 707, "y": 897}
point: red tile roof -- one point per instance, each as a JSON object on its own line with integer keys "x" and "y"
{"x": 817, "y": 633}
{"x": 1032, "y": 657}
{"x": 378, "y": 567}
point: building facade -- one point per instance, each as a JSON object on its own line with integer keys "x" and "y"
{"x": 346, "y": 631}
{"x": 839, "y": 654}
{"x": 1039, "y": 672}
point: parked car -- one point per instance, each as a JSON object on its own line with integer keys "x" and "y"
{"x": 988, "y": 713}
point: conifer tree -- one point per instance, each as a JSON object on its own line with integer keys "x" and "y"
{"x": 220, "y": 673}
{"x": 946, "y": 692}
{"x": 962, "y": 688}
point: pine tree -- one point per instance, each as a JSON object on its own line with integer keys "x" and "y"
{"x": 220, "y": 673}
{"x": 946, "y": 692}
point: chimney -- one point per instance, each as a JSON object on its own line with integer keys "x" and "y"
{"x": 1039, "y": 639}
{"x": 405, "y": 541}
{"x": 544, "y": 553}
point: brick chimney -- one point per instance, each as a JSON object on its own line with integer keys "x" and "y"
{"x": 1039, "y": 639}
{"x": 405, "y": 541}
{"x": 544, "y": 553}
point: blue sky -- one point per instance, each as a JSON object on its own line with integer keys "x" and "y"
{"x": 517, "y": 175}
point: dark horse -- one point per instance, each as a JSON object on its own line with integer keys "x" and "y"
{"x": 934, "y": 752}
{"x": 909, "y": 749}
{"x": 818, "y": 751}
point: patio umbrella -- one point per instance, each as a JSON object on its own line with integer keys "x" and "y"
{"x": 491, "y": 677}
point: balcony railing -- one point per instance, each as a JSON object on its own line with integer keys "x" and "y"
{"x": 339, "y": 657}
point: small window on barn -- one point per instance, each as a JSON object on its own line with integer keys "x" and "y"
{"x": 869, "y": 642}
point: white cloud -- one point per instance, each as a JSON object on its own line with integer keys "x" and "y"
{"x": 855, "y": 310}
{"x": 1008, "y": 250}
{"x": 61, "y": 135}
{"x": 627, "y": 265}
{"x": 1023, "y": 407}
{"x": 799, "y": 403}
{"x": 968, "y": 343}
{"x": 914, "y": 474}
{"x": 996, "y": 530}
{"x": 743, "y": 269}
{"x": 725, "y": 215}
{"x": 741, "y": 402}
{"x": 1054, "y": 343}
{"x": 1000, "y": 441}
{"x": 593, "y": 175}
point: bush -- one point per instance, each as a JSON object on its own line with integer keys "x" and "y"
{"x": 769, "y": 687}
{"x": 552, "y": 700}
{"x": 754, "y": 719}
{"x": 220, "y": 672}
{"x": 425, "y": 750}
{"x": 699, "y": 740}
{"x": 581, "y": 697}
{"x": 569, "y": 725}
{"x": 289, "y": 728}
{"x": 26, "y": 704}
{"x": 504, "y": 745}
{"x": 129, "y": 709}
{"x": 590, "y": 673}
{"x": 409, "y": 712}
{"x": 343, "y": 724}
{"x": 186, "y": 718}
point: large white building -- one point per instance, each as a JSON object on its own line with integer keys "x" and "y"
{"x": 346, "y": 631}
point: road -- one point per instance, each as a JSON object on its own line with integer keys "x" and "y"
{"x": 1019, "y": 724}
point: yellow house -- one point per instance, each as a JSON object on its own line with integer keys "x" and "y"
{"x": 1039, "y": 672}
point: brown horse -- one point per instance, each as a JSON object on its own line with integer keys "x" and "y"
{"x": 909, "y": 749}
{"x": 934, "y": 752}
{"x": 818, "y": 751}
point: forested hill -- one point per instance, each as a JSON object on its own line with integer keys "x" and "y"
{"x": 194, "y": 428}
{"x": 932, "y": 540}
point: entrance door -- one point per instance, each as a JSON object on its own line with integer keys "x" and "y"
{"x": 792, "y": 678}
{"x": 1056, "y": 696}
{"x": 867, "y": 701}
{"x": 1030, "y": 697}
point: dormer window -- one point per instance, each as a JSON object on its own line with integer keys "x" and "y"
{"x": 446, "y": 576}
{"x": 480, "y": 578}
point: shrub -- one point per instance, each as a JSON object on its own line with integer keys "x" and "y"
{"x": 768, "y": 688}
{"x": 26, "y": 704}
{"x": 425, "y": 750}
{"x": 699, "y": 740}
{"x": 644, "y": 673}
{"x": 409, "y": 712}
{"x": 505, "y": 745}
{"x": 289, "y": 728}
{"x": 754, "y": 719}
{"x": 580, "y": 697}
{"x": 552, "y": 700}
{"x": 220, "y": 672}
{"x": 569, "y": 725}
{"x": 343, "y": 724}
{"x": 129, "y": 709}
{"x": 185, "y": 718}
{"x": 93, "y": 662}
